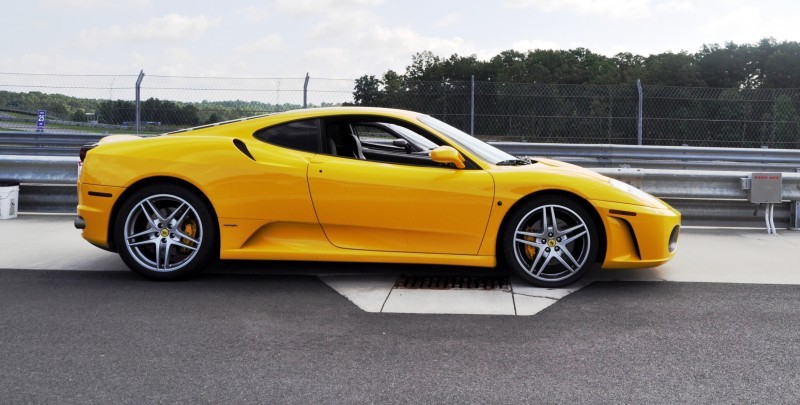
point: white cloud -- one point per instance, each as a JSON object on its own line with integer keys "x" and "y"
{"x": 739, "y": 18}
{"x": 448, "y": 20}
{"x": 621, "y": 9}
{"x": 748, "y": 24}
{"x": 172, "y": 27}
{"x": 334, "y": 59}
{"x": 408, "y": 41}
{"x": 533, "y": 44}
{"x": 679, "y": 6}
{"x": 323, "y": 6}
{"x": 45, "y": 63}
{"x": 254, "y": 14}
{"x": 82, "y": 5}
{"x": 272, "y": 42}
{"x": 337, "y": 25}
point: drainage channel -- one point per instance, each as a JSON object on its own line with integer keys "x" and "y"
{"x": 416, "y": 282}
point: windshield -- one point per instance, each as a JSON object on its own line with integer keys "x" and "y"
{"x": 417, "y": 139}
{"x": 483, "y": 150}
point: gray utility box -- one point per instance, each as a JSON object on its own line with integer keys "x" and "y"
{"x": 766, "y": 188}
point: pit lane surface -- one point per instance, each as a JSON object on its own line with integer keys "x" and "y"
{"x": 284, "y": 336}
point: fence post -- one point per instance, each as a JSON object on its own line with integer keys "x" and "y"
{"x": 472, "y": 106}
{"x": 610, "y": 114}
{"x": 138, "y": 99}
{"x": 305, "y": 92}
{"x": 641, "y": 104}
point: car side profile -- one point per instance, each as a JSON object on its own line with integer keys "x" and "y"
{"x": 357, "y": 184}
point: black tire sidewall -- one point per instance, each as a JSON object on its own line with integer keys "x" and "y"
{"x": 523, "y": 209}
{"x": 208, "y": 237}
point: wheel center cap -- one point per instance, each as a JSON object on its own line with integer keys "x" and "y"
{"x": 164, "y": 232}
{"x": 551, "y": 243}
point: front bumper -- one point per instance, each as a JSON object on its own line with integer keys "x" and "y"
{"x": 638, "y": 236}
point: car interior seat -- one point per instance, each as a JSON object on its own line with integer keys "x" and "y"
{"x": 353, "y": 144}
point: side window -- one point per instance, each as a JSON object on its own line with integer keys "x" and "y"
{"x": 300, "y": 135}
{"x": 372, "y": 133}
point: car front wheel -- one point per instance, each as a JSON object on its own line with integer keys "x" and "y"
{"x": 164, "y": 232}
{"x": 550, "y": 241}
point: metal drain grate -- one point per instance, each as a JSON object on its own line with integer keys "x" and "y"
{"x": 452, "y": 282}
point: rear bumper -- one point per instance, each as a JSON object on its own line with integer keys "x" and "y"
{"x": 95, "y": 204}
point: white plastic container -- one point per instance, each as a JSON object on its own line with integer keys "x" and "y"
{"x": 9, "y": 200}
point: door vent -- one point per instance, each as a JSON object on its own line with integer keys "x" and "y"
{"x": 452, "y": 283}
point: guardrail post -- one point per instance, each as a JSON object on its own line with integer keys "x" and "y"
{"x": 794, "y": 215}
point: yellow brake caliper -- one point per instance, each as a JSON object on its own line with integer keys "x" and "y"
{"x": 530, "y": 251}
{"x": 189, "y": 230}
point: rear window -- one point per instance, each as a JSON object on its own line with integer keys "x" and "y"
{"x": 301, "y": 135}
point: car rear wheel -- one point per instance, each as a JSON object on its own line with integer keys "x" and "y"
{"x": 165, "y": 232}
{"x": 550, "y": 241}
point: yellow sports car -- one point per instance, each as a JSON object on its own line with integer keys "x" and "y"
{"x": 359, "y": 185}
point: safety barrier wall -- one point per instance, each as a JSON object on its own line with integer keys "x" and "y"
{"x": 713, "y": 196}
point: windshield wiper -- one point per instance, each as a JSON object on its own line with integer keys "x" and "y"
{"x": 520, "y": 161}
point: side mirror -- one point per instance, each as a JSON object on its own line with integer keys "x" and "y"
{"x": 448, "y": 154}
{"x": 402, "y": 143}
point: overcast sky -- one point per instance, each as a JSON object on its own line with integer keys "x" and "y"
{"x": 349, "y": 38}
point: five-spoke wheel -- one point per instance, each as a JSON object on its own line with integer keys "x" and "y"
{"x": 164, "y": 232}
{"x": 550, "y": 241}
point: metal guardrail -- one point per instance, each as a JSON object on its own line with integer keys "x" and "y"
{"x": 713, "y": 196}
{"x": 39, "y": 169}
{"x": 44, "y": 144}
{"x": 661, "y": 157}
{"x": 694, "y": 184}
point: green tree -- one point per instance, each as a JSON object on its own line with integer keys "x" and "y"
{"x": 672, "y": 69}
{"x": 367, "y": 91}
{"x": 726, "y": 66}
{"x": 782, "y": 67}
{"x": 79, "y": 115}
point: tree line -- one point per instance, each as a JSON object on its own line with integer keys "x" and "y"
{"x": 123, "y": 112}
{"x": 766, "y": 64}
{"x": 723, "y": 95}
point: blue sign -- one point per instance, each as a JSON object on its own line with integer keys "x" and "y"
{"x": 41, "y": 121}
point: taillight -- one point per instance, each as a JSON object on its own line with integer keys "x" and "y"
{"x": 84, "y": 150}
{"x": 82, "y": 155}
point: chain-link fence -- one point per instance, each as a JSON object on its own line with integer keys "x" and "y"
{"x": 107, "y": 103}
{"x": 492, "y": 111}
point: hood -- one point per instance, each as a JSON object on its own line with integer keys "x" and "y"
{"x": 587, "y": 183}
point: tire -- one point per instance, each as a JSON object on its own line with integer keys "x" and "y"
{"x": 550, "y": 241}
{"x": 165, "y": 232}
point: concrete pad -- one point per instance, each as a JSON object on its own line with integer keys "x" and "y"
{"x": 725, "y": 256}
{"x": 368, "y": 291}
{"x": 526, "y": 305}
{"x": 51, "y": 242}
{"x": 522, "y": 287}
{"x": 475, "y": 302}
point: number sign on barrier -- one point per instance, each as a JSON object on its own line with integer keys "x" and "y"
{"x": 40, "y": 121}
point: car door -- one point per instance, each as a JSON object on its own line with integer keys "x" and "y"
{"x": 371, "y": 205}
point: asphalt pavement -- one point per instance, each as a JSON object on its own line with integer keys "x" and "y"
{"x": 111, "y": 337}
{"x": 76, "y": 328}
